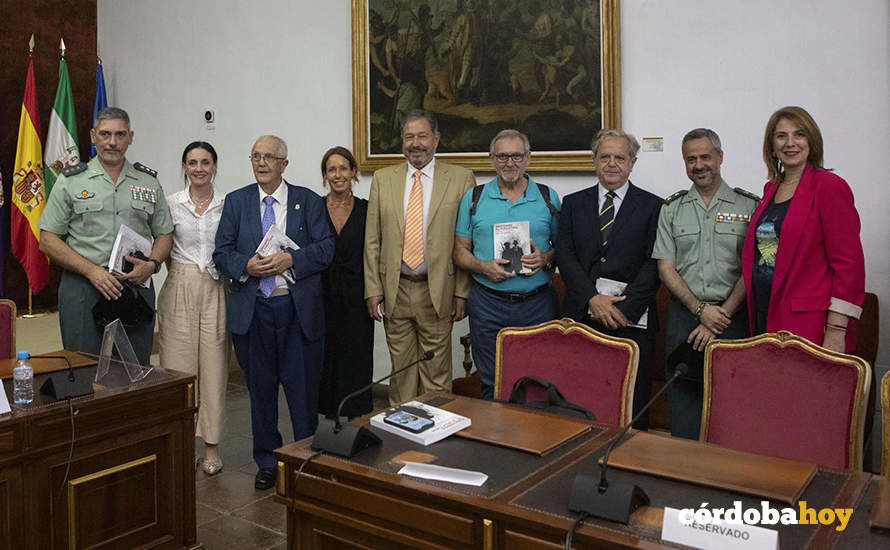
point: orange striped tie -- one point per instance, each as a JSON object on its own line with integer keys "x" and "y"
{"x": 412, "y": 248}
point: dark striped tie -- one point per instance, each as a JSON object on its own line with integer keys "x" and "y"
{"x": 607, "y": 216}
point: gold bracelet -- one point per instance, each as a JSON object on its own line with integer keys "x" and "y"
{"x": 841, "y": 328}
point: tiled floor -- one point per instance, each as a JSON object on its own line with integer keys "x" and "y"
{"x": 231, "y": 514}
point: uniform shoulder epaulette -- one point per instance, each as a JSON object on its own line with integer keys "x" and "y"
{"x": 143, "y": 168}
{"x": 675, "y": 196}
{"x": 74, "y": 170}
{"x": 746, "y": 193}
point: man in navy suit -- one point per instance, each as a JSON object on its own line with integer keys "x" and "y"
{"x": 606, "y": 234}
{"x": 274, "y": 309}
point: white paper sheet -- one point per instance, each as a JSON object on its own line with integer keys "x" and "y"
{"x": 442, "y": 473}
{"x": 4, "y": 401}
{"x": 126, "y": 243}
{"x": 725, "y": 536}
{"x": 275, "y": 241}
{"x": 610, "y": 287}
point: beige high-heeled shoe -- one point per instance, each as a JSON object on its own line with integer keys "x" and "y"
{"x": 212, "y": 467}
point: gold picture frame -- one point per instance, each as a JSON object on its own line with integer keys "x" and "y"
{"x": 541, "y": 48}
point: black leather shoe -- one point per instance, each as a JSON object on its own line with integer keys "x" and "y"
{"x": 265, "y": 479}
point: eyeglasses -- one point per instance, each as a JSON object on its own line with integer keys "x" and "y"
{"x": 502, "y": 158}
{"x": 605, "y": 159}
{"x": 256, "y": 158}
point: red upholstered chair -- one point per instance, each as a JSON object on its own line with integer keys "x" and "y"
{"x": 781, "y": 395}
{"x": 7, "y": 329}
{"x": 885, "y": 423}
{"x": 589, "y": 368}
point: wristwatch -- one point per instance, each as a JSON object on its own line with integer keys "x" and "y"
{"x": 551, "y": 263}
{"x": 157, "y": 264}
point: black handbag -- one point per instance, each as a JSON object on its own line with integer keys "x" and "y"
{"x": 555, "y": 403}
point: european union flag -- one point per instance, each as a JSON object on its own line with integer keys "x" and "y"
{"x": 101, "y": 101}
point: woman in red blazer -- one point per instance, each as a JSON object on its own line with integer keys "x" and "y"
{"x": 802, "y": 260}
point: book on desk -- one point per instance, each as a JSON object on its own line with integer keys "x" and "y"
{"x": 444, "y": 423}
{"x": 524, "y": 502}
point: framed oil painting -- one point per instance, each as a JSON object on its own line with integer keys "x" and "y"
{"x": 549, "y": 68}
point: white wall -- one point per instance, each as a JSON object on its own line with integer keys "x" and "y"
{"x": 284, "y": 67}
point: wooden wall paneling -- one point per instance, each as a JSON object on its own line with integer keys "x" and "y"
{"x": 48, "y": 20}
{"x": 11, "y": 505}
{"x": 120, "y": 493}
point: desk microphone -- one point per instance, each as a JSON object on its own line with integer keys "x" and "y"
{"x": 617, "y": 501}
{"x": 61, "y": 385}
{"x": 344, "y": 439}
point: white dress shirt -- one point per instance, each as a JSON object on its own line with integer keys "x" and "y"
{"x": 617, "y": 201}
{"x": 426, "y": 180}
{"x": 279, "y": 207}
{"x": 193, "y": 233}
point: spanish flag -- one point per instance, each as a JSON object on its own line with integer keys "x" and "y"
{"x": 28, "y": 190}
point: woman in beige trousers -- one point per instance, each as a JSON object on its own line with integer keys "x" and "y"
{"x": 192, "y": 303}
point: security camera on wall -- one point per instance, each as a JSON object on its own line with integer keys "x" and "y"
{"x": 210, "y": 118}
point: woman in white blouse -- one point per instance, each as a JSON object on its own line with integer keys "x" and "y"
{"x": 192, "y": 303}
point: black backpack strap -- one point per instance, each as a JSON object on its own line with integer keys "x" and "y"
{"x": 554, "y": 396}
{"x": 518, "y": 396}
{"x": 543, "y": 189}
{"x": 545, "y": 192}
{"x": 477, "y": 192}
{"x": 556, "y": 399}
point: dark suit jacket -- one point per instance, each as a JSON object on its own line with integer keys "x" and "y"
{"x": 239, "y": 234}
{"x": 627, "y": 257}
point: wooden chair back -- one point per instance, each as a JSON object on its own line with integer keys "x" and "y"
{"x": 781, "y": 395}
{"x": 7, "y": 329}
{"x": 590, "y": 369}
{"x": 885, "y": 425}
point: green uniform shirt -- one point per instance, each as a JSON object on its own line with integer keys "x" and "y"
{"x": 705, "y": 242}
{"x": 89, "y": 208}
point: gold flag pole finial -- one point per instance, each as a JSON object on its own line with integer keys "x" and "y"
{"x": 62, "y": 46}
{"x": 31, "y": 44}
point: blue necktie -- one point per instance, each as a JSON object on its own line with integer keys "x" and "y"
{"x": 267, "y": 284}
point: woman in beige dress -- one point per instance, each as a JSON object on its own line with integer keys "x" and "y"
{"x": 192, "y": 303}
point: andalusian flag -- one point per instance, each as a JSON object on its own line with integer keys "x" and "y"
{"x": 61, "y": 143}
{"x": 28, "y": 193}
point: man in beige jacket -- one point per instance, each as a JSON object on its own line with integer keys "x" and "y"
{"x": 411, "y": 283}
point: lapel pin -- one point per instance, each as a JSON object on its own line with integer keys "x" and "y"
{"x": 297, "y": 206}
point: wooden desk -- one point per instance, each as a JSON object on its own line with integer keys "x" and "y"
{"x": 41, "y": 364}
{"x": 361, "y": 502}
{"x": 131, "y": 481}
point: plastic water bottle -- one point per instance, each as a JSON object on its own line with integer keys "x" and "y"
{"x": 23, "y": 380}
